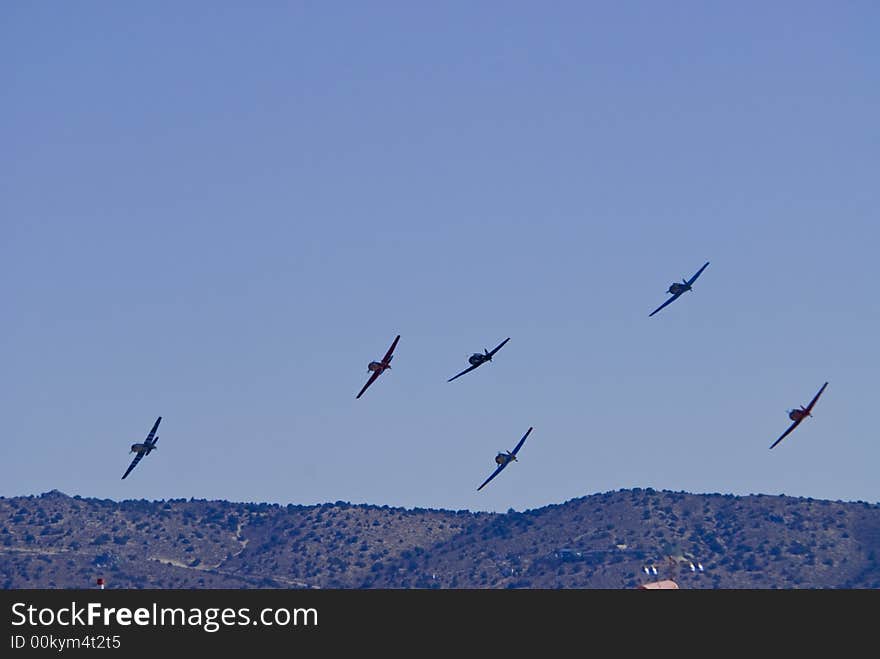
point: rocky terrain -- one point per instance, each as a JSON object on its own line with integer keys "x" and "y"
{"x": 599, "y": 541}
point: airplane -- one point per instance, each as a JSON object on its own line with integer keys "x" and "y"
{"x": 677, "y": 289}
{"x": 798, "y": 415}
{"x": 378, "y": 367}
{"x": 503, "y": 459}
{"x": 478, "y": 359}
{"x": 675, "y": 555}
{"x": 149, "y": 444}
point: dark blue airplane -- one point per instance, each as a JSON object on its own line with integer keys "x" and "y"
{"x": 149, "y": 444}
{"x": 677, "y": 289}
{"x": 478, "y": 359}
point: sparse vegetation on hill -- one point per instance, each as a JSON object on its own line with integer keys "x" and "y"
{"x": 598, "y": 541}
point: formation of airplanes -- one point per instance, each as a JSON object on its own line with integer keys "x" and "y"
{"x": 502, "y": 459}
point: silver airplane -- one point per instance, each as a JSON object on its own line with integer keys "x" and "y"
{"x": 505, "y": 458}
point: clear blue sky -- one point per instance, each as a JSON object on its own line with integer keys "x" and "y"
{"x": 220, "y": 212}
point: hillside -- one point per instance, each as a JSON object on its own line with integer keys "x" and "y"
{"x": 598, "y": 541}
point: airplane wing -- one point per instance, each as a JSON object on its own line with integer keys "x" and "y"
{"x": 133, "y": 464}
{"x": 669, "y": 301}
{"x": 785, "y": 434}
{"x": 499, "y": 346}
{"x": 467, "y": 370}
{"x": 816, "y": 397}
{"x": 391, "y": 349}
{"x": 699, "y": 272}
{"x": 149, "y": 439}
{"x": 494, "y": 474}
{"x": 369, "y": 382}
{"x": 521, "y": 442}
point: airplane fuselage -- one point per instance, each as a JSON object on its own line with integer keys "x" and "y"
{"x": 797, "y": 415}
{"x": 504, "y": 458}
{"x": 476, "y": 359}
{"x": 376, "y": 366}
{"x": 137, "y": 448}
{"x": 678, "y": 288}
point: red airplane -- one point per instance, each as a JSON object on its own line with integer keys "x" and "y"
{"x": 378, "y": 367}
{"x": 798, "y": 415}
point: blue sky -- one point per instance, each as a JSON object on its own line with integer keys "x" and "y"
{"x": 221, "y": 212}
